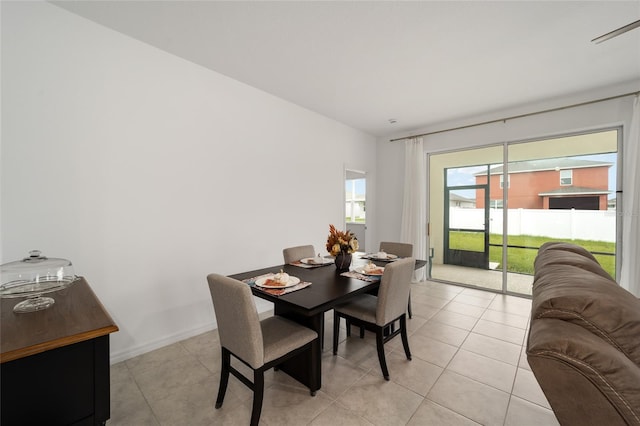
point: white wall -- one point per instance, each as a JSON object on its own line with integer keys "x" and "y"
{"x": 390, "y": 192}
{"x": 149, "y": 172}
{"x": 594, "y": 116}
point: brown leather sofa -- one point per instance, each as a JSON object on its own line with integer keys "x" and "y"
{"x": 584, "y": 339}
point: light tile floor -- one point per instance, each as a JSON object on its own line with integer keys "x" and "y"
{"x": 469, "y": 367}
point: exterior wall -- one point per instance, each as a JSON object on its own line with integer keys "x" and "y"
{"x": 524, "y": 187}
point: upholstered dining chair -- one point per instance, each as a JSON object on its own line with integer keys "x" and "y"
{"x": 400, "y": 250}
{"x": 260, "y": 345}
{"x": 292, "y": 254}
{"x": 378, "y": 313}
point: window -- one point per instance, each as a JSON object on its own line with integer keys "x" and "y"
{"x": 501, "y": 230}
{"x": 566, "y": 177}
{"x": 497, "y": 204}
{"x": 355, "y": 190}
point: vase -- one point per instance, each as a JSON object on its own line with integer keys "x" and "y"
{"x": 343, "y": 261}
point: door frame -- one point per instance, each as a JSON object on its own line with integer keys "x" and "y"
{"x": 460, "y": 257}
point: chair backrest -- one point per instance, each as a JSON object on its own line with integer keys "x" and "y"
{"x": 393, "y": 293}
{"x": 237, "y": 317}
{"x": 399, "y": 249}
{"x": 292, "y": 254}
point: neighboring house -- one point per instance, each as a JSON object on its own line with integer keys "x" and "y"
{"x": 557, "y": 183}
{"x": 456, "y": 200}
{"x": 355, "y": 206}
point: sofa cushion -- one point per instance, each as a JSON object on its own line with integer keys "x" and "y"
{"x": 590, "y": 300}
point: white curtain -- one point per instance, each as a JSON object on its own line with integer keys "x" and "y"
{"x": 414, "y": 217}
{"x": 630, "y": 268}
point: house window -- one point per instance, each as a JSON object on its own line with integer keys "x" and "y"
{"x": 502, "y": 181}
{"x": 566, "y": 177}
{"x": 497, "y": 204}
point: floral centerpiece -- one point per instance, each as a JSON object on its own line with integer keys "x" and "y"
{"x": 340, "y": 245}
{"x": 339, "y": 241}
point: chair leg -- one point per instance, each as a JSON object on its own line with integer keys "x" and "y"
{"x": 381, "y": 356}
{"x": 336, "y": 331}
{"x": 409, "y": 307}
{"x": 258, "y": 394}
{"x": 362, "y": 332}
{"x": 405, "y": 339}
{"x": 224, "y": 376}
{"x": 348, "y": 324}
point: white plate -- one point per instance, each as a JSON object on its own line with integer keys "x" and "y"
{"x": 374, "y": 273}
{"x": 388, "y": 257}
{"x": 264, "y": 282}
{"x": 312, "y": 261}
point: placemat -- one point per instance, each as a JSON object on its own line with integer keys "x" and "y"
{"x": 354, "y": 274}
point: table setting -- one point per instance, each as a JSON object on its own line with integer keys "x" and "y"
{"x": 277, "y": 284}
{"x": 381, "y": 256}
{"x": 369, "y": 272}
{"x": 313, "y": 262}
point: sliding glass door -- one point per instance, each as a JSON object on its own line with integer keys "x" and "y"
{"x": 489, "y": 213}
{"x": 562, "y": 189}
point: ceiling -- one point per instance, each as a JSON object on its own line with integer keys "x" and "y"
{"x": 419, "y": 63}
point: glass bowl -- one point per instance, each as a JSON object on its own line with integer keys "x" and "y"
{"x": 34, "y": 276}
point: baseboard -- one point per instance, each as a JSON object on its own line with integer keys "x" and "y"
{"x": 125, "y": 354}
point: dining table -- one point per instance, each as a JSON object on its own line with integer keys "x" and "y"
{"x": 329, "y": 287}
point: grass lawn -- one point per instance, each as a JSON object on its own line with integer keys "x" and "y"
{"x": 521, "y": 260}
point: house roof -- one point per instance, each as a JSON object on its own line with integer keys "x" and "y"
{"x": 574, "y": 190}
{"x": 456, "y": 197}
{"x": 564, "y": 163}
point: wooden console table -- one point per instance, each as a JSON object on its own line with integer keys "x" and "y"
{"x": 54, "y": 363}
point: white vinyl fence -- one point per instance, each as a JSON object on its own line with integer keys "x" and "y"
{"x": 596, "y": 225}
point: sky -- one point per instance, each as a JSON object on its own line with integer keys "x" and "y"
{"x": 360, "y": 186}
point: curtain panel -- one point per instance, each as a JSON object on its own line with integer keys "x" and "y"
{"x": 630, "y": 267}
{"x": 414, "y": 207}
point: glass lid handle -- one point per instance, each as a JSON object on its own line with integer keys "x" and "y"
{"x": 34, "y": 256}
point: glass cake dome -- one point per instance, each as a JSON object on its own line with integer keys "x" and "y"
{"x": 34, "y": 276}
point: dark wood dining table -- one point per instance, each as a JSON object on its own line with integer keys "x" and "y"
{"x": 307, "y": 306}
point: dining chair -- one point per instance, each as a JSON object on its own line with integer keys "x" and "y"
{"x": 378, "y": 313}
{"x": 400, "y": 250}
{"x": 260, "y": 345}
{"x": 291, "y": 254}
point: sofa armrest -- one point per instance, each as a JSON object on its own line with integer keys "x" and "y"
{"x": 586, "y": 380}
